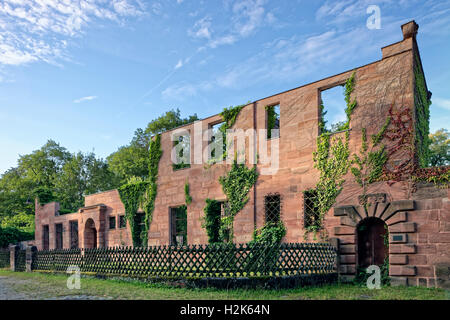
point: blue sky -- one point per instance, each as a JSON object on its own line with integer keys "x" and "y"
{"x": 88, "y": 73}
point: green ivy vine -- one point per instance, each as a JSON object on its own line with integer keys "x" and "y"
{"x": 236, "y": 185}
{"x": 331, "y": 159}
{"x": 138, "y": 193}
{"x": 369, "y": 164}
{"x": 422, "y": 103}
{"x": 187, "y": 195}
{"x": 211, "y": 220}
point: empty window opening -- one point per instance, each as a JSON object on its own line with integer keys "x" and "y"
{"x": 112, "y": 222}
{"x": 45, "y": 238}
{"x": 216, "y": 142}
{"x": 74, "y": 234}
{"x": 59, "y": 236}
{"x": 332, "y": 105}
{"x": 122, "y": 222}
{"x": 272, "y": 207}
{"x": 311, "y": 218}
{"x": 178, "y": 225}
{"x": 139, "y": 227}
{"x": 182, "y": 145}
{"x": 214, "y": 215}
{"x": 273, "y": 121}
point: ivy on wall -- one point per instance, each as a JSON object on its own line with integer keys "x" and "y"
{"x": 331, "y": 159}
{"x": 422, "y": 102}
{"x": 440, "y": 176}
{"x": 187, "y": 195}
{"x": 236, "y": 185}
{"x": 212, "y": 221}
{"x": 369, "y": 164}
{"x": 142, "y": 194}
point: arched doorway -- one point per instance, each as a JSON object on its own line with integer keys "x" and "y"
{"x": 373, "y": 247}
{"x": 90, "y": 234}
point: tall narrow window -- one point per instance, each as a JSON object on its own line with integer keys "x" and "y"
{"x": 45, "y": 238}
{"x": 59, "y": 236}
{"x": 273, "y": 121}
{"x": 178, "y": 224}
{"x": 216, "y": 143}
{"x": 122, "y": 222}
{"x": 332, "y": 108}
{"x": 182, "y": 149}
{"x": 112, "y": 222}
{"x": 311, "y": 218}
{"x": 74, "y": 234}
{"x": 272, "y": 208}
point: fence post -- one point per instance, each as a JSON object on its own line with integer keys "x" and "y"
{"x": 335, "y": 243}
{"x": 29, "y": 255}
{"x": 13, "y": 249}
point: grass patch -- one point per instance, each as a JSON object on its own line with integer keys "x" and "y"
{"x": 53, "y": 285}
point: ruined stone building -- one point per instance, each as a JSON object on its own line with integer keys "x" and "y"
{"x": 416, "y": 214}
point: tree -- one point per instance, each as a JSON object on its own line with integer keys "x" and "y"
{"x": 440, "y": 148}
{"x": 169, "y": 120}
{"x": 83, "y": 174}
{"x": 133, "y": 160}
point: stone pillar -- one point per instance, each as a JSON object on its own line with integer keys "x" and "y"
{"x": 335, "y": 243}
{"x": 13, "y": 249}
{"x": 29, "y": 257}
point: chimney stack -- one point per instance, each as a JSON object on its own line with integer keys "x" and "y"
{"x": 410, "y": 30}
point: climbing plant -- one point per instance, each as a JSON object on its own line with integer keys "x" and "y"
{"x": 212, "y": 221}
{"x": 138, "y": 193}
{"x": 229, "y": 116}
{"x": 369, "y": 164}
{"x": 187, "y": 195}
{"x": 236, "y": 185}
{"x": 422, "y": 102}
{"x": 331, "y": 159}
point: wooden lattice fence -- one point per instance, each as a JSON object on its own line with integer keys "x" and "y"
{"x": 195, "y": 261}
{"x": 4, "y": 258}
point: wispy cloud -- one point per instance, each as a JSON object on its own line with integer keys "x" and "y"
{"x": 85, "y": 99}
{"x": 441, "y": 103}
{"x": 39, "y": 30}
{"x": 337, "y": 12}
{"x": 201, "y": 28}
{"x": 290, "y": 59}
{"x": 245, "y": 18}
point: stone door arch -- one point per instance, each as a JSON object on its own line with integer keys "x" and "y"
{"x": 90, "y": 234}
{"x": 371, "y": 242}
{"x": 395, "y": 215}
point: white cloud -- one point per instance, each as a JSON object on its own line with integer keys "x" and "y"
{"x": 39, "y": 30}
{"x": 441, "y": 103}
{"x": 246, "y": 17}
{"x": 179, "y": 64}
{"x": 293, "y": 59}
{"x": 201, "y": 29}
{"x": 180, "y": 1}
{"x": 85, "y": 99}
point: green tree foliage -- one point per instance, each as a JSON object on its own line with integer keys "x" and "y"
{"x": 20, "y": 221}
{"x": 440, "y": 148}
{"x": 132, "y": 160}
{"x": 169, "y": 120}
{"x": 81, "y": 175}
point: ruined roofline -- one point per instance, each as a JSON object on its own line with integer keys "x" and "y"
{"x": 335, "y": 75}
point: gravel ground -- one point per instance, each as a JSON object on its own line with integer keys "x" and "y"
{"x": 9, "y": 291}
